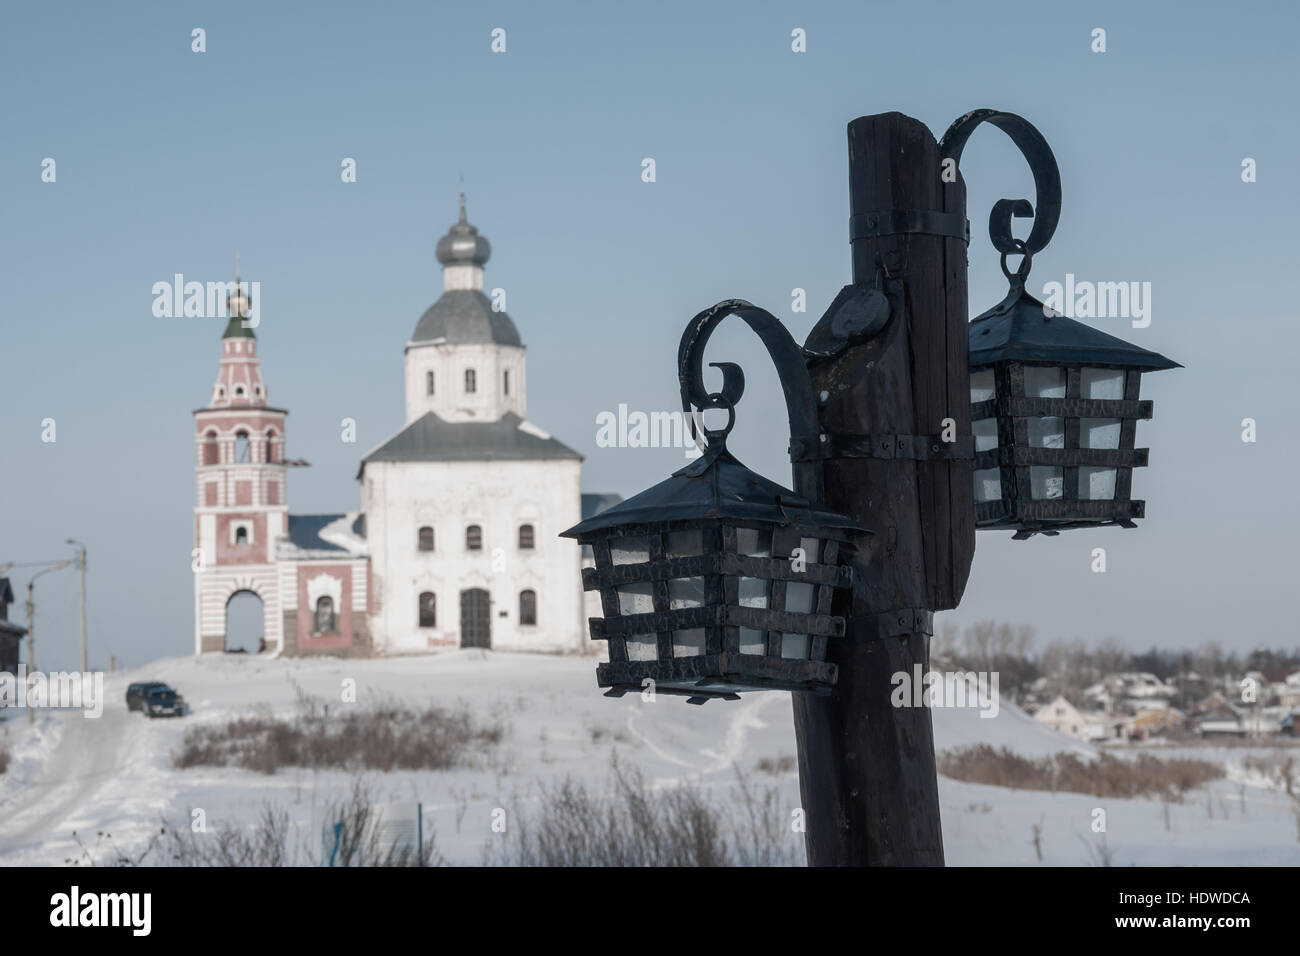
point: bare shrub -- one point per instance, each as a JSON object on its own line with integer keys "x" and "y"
{"x": 781, "y": 765}
{"x": 1277, "y": 767}
{"x": 385, "y": 738}
{"x": 1105, "y": 776}
{"x": 635, "y": 825}
{"x": 273, "y": 840}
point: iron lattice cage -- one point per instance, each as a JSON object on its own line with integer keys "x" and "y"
{"x": 734, "y": 588}
{"x": 1054, "y": 412}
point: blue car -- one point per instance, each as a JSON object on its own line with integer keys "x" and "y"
{"x": 163, "y": 702}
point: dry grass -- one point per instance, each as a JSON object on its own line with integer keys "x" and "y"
{"x": 1279, "y": 767}
{"x": 1106, "y": 776}
{"x": 634, "y": 825}
{"x": 384, "y": 738}
{"x": 777, "y": 767}
{"x": 271, "y": 841}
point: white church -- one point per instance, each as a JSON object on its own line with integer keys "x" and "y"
{"x": 455, "y": 543}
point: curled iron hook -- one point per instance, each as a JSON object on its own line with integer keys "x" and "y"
{"x": 1047, "y": 179}
{"x": 791, "y": 368}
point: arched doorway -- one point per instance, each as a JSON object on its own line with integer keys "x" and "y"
{"x": 475, "y": 618}
{"x": 245, "y": 623}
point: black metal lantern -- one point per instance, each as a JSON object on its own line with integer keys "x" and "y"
{"x": 1054, "y": 412}
{"x": 717, "y": 581}
{"x": 1054, "y": 402}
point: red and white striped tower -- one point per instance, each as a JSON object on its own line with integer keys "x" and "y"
{"x": 240, "y": 507}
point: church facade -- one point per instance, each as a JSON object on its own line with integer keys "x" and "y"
{"x": 455, "y": 543}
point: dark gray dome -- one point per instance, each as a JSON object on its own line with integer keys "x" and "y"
{"x": 462, "y": 245}
{"x": 465, "y": 317}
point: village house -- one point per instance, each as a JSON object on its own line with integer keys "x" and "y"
{"x": 11, "y": 634}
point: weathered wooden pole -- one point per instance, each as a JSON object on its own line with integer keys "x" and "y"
{"x": 890, "y": 405}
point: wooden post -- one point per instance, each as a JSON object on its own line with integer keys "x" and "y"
{"x": 866, "y": 767}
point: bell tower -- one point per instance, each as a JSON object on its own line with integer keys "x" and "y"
{"x": 240, "y": 501}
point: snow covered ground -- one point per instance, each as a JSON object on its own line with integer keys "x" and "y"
{"x": 115, "y": 774}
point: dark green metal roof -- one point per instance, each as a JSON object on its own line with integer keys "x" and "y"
{"x": 235, "y": 329}
{"x": 1022, "y": 329}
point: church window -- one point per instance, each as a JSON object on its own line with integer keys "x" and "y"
{"x": 241, "y": 446}
{"x": 474, "y": 538}
{"x": 471, "y": 381}
{"x": 527, "y": 540}
{"x": 325, "y": 615}
{"x": 426, "y": 538}
{"x": 428, "y": 609}
{"x": 428, "y": 383}
{"x": 211, "y": 451}
{"x": 505, "y": 381}
{"x": 241, "y": 535}
{"x": 270, "y": 446}
{"x": 528, "y": 607}
{"x": 239, "y": 391}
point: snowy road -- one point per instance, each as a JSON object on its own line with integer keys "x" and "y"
{"x": 88, "y": 755}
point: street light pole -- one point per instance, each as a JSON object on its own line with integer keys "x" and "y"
{"x": 31, "y": 625}
{"x": 81, "y": 566}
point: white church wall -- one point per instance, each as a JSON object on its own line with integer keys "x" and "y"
{"x": 401, "y": 497}
{"x": 487, "y": 403}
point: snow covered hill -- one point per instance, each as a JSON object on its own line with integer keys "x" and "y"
{"x": 115, "y": 774}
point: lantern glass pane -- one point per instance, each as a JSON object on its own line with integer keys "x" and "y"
{"x": 629, "y": 550}
{"x": 986, "y": 433}
{"x": 794, "y": 646}
{"x": 688, "y": 643}
{"x": 685, "y": 544}
{"x": 988, "y": 485}
{"x": 685, "y": 592}
{"x": 1107, "y": 383}
{"x": 1047, "y": 432}
{"x": 642, "y": 647}
{"x": 1097, "y": 484}
{"x": 1099, "y": 432}
{"x": 1044, "y": 381}
{"x": 753, "y": 592}
{"x": 752, "y": 642}
{"x": 812, "y": 549}
{"x": 1046, "y": 482}
{"x": 799, "y": 598}
{"x": 981, "y": 386}
{"x": 636, "y": 598}
{"x": 757, "y": 544}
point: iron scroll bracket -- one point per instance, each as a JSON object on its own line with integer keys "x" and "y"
{"x": 1042, "y": 163}
{"x": 791, "y": 367}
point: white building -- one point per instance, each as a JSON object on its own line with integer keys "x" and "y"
{"x": 457, "y": 540}
{"x": 1065, "y": 718}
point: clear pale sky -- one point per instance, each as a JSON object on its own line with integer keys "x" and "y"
{"x": 168, "y": 161}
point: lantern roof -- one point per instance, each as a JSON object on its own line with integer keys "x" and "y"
{"x": 1021, "y": 329}
{"x": 715, "y": 486}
